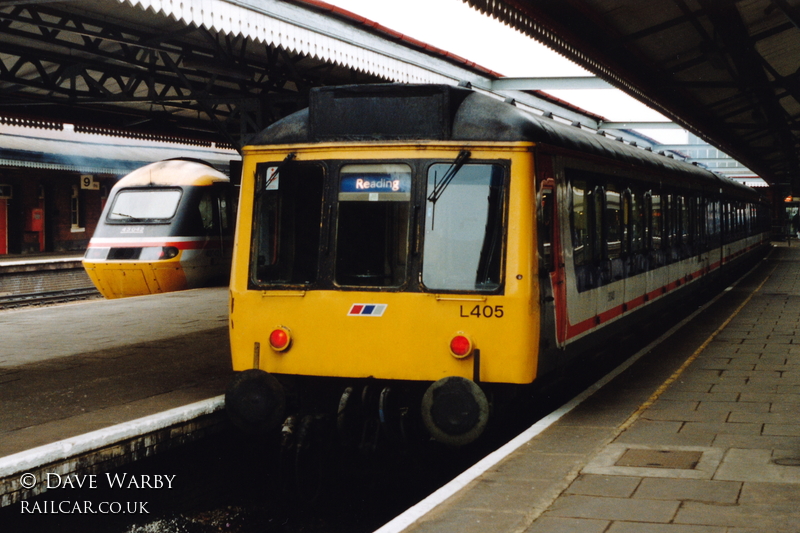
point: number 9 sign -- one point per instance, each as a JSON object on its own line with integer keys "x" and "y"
{"x": 87, "y": 182}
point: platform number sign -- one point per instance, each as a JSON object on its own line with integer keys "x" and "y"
{"x": 87, "y": 182}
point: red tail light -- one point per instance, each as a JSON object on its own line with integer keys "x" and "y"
{"x": 280, "y": 339}
{"x": 461, "y": 346}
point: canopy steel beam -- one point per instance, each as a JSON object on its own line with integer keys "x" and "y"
{"x": 84, "y": 69}
{"x": 550, "y": 84}
{"x": 639, "y": 126}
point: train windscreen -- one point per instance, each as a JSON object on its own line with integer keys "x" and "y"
{"x": 144, "y": 205}
{"x": 354, "y": 225}
{"x": 286, "y": 236}
{"x": 373, "y": 225}
{"x": 463, "y": 228}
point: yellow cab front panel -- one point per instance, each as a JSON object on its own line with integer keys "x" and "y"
{"x": 125, "y": 279}
{"x": 367, "y": 261}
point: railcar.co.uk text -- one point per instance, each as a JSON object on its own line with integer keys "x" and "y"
{"x": 91, "y": 481}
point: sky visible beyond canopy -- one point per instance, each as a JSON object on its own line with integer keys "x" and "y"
{"x": 457, "y": 28}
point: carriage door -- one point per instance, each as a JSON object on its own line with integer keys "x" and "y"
{"x": 551, "y": 262}
{"x": 5, "y": 194}
{"x": 700, "y": 216}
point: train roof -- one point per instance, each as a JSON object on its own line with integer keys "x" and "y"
{"x": 173, "y": 172}
{"x": 399, "y": 112}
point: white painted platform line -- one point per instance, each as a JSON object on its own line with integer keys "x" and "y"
{"x": 64, "y": 449}
{"x": 43, "y": 260}
{"x": 405, "y": 520}
{"x": 409, "y": 517}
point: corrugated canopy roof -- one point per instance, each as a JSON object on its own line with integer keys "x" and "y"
{"x": 725, "y": 70}
{"x": 218, "y": 70}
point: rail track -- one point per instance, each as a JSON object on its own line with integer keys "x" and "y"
{"x": 15, "y": 301}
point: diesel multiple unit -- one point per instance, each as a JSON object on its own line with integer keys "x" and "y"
{"x": 422, "y": 252}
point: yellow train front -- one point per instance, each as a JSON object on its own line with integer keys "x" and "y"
{"x": 167, "y": 226}
{"x": 388, "y": 265}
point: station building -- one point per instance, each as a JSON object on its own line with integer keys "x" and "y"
{"x": 55, "y": 179}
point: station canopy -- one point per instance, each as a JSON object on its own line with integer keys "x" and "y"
{"x": 213, "y": 70}
{"x": 726, "y": 70}
{"x": 219, "y": 71}
{"x": 204, "y": 69}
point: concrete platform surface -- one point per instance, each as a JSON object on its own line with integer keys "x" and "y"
{"x": 710, "y": 447}
{"x": 70, "y": 369}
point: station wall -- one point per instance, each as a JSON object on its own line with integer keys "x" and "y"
{"x": 49, "y": 210}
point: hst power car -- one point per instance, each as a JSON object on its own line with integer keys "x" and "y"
{"x": 167, "y": 226}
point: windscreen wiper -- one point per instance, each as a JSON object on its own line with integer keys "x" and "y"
{"x": 438, "y": 188}
{"x": 125, "y": 215}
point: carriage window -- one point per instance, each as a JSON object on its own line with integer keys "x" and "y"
{"x": 699, "y": 218}
{"x": 685, "y": 218}
{"x": 223, "y": 212}
{"x": 581, "y": 223}
{"x": 463, "y": 228}
{"x": 712, "y": 219}
{"x": 373, "y": 225}
{"x": 206, "y": 209}
{"x": 636, "y": 222}
{"x": 657, "y": 222}
{"x": 138, "y": 205}
{"x": 598, "y": 205}
{"x": 286, "y": 233}
{"x": 613, "y": 224}
{"x": 668, "y": 203}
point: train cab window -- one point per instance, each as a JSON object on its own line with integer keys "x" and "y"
{"x": 287, "y": 217}
{"x": 463, "y": 228}
{"x": 372, "y": 230}
{"x": 150, "y": 205}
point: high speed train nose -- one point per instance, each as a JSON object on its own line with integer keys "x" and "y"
{"x": 255, "y": 401}
{"x": 455, "y": 410}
